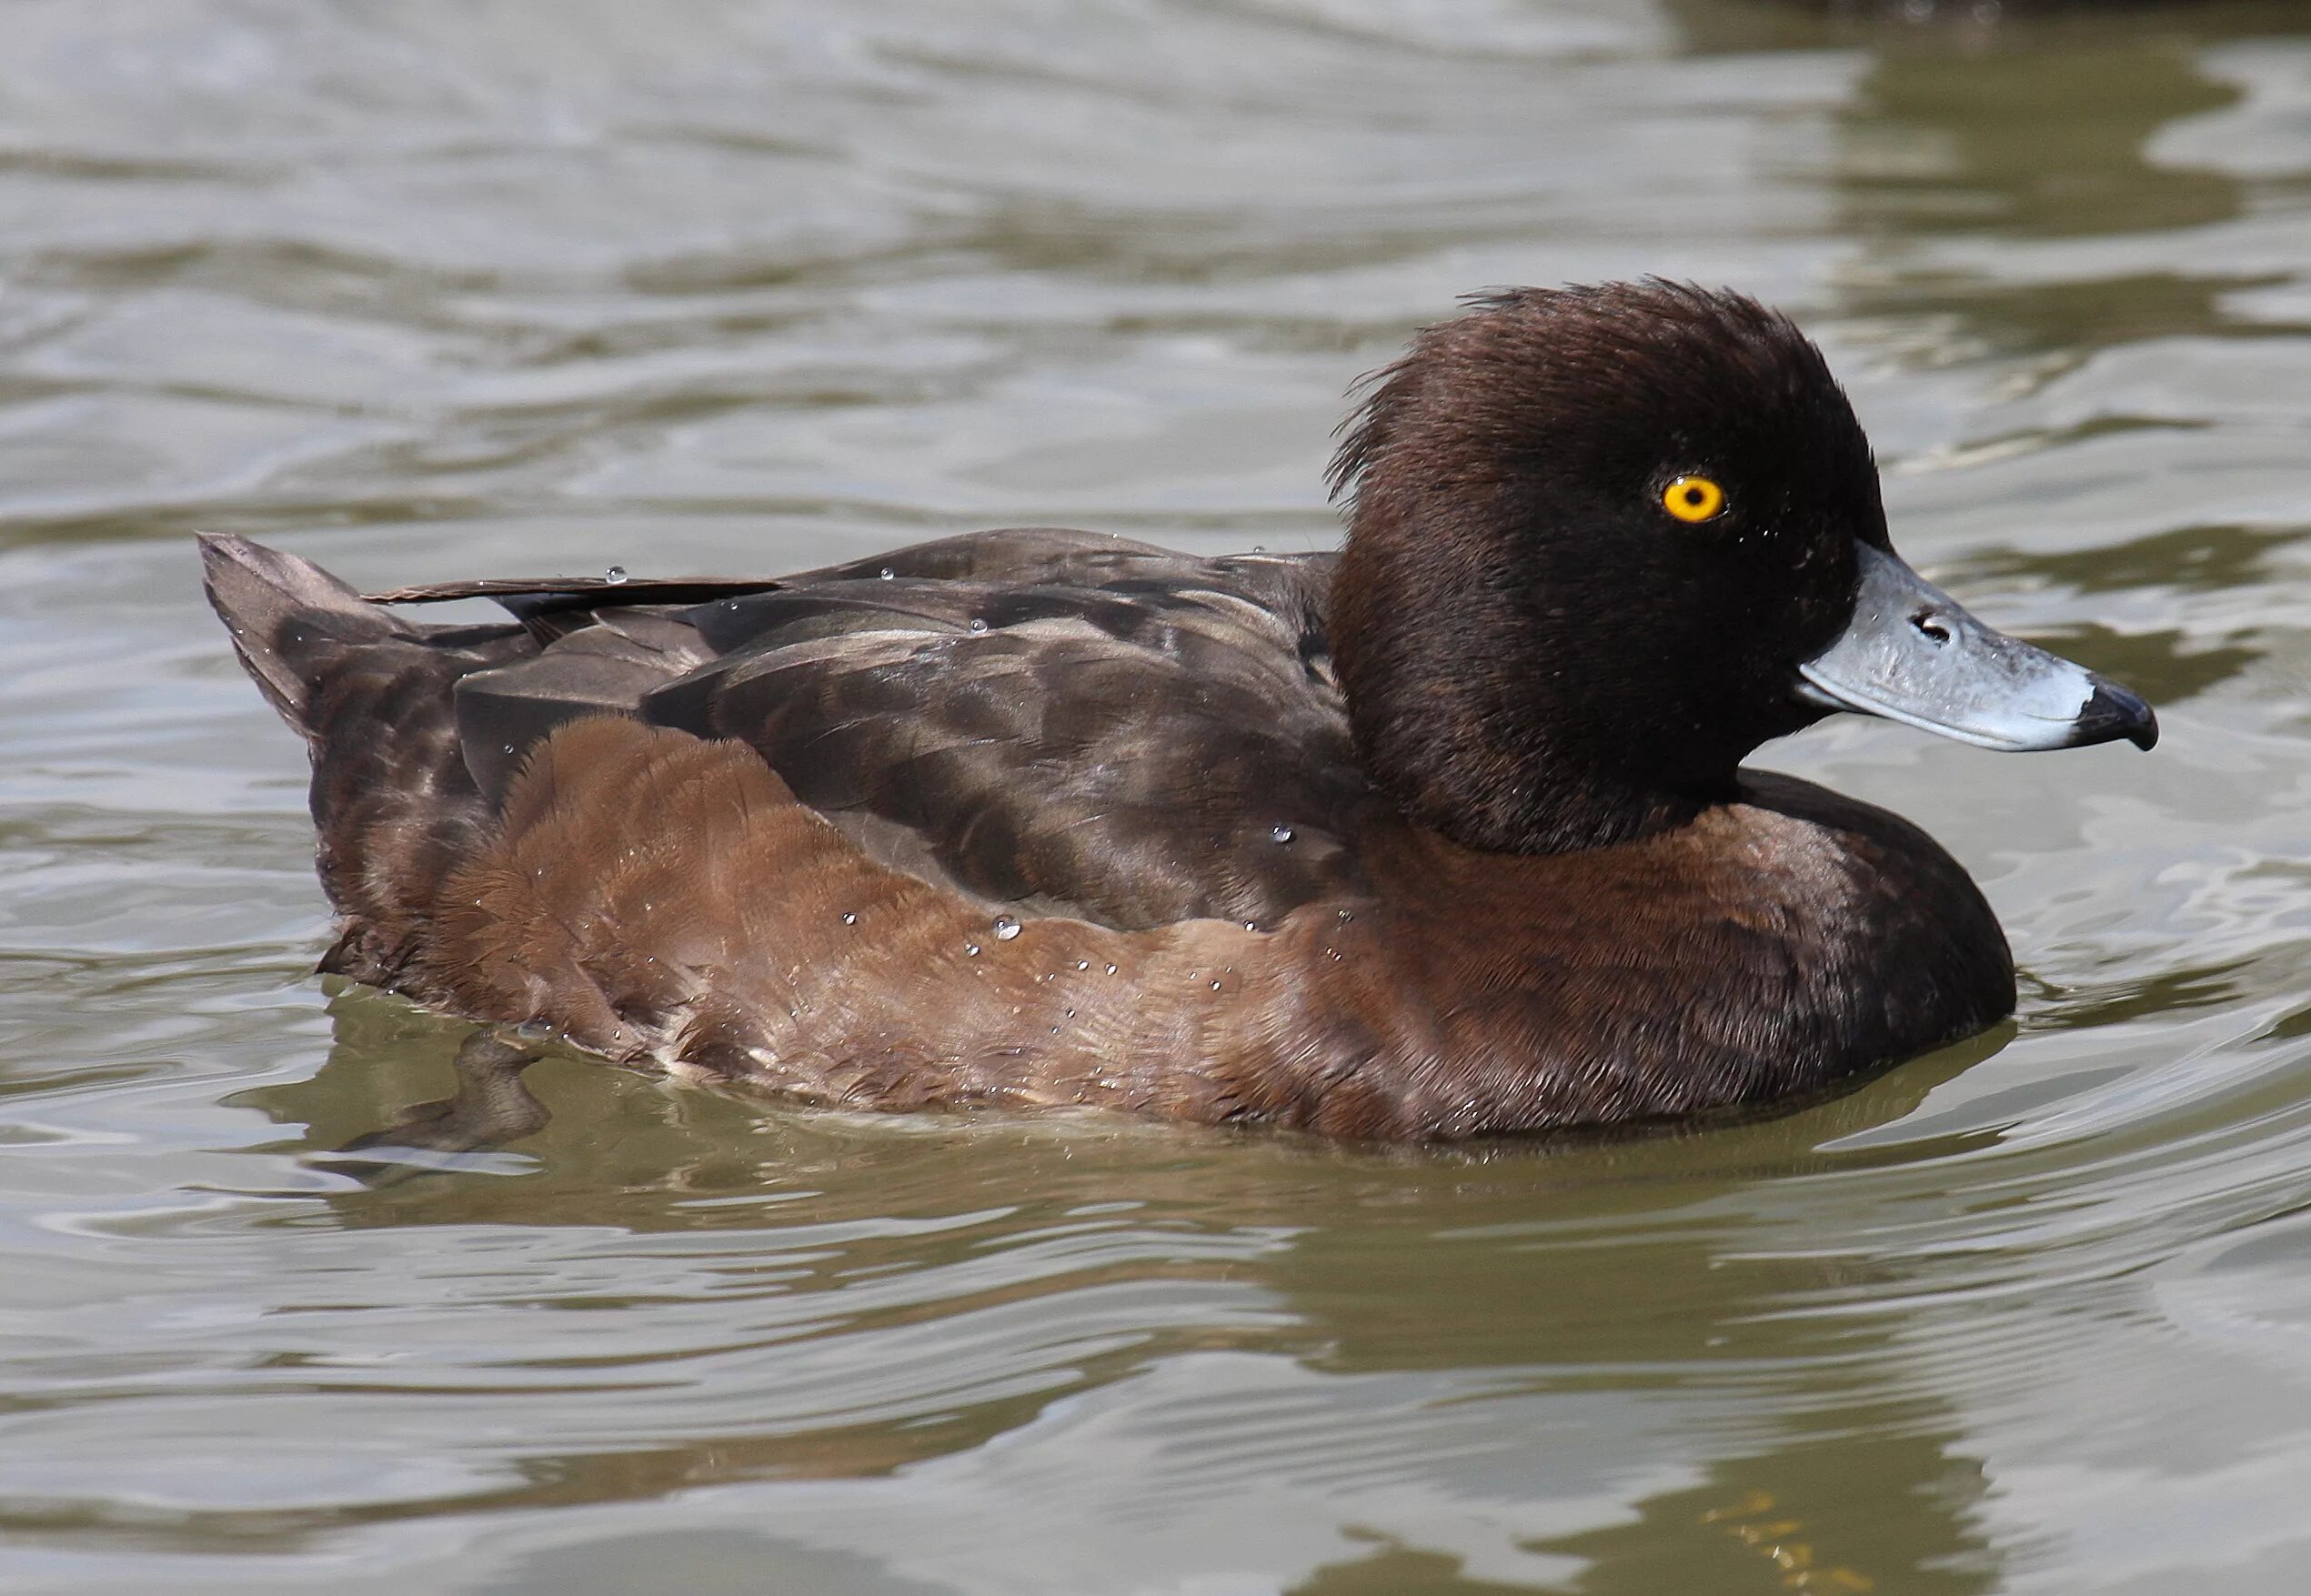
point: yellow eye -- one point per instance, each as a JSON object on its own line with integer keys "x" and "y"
{"x": 1692, "y": 498}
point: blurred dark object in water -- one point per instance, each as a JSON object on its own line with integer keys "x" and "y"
{"x": 491, "y": 1105}
{"x": 1983, "y": 13}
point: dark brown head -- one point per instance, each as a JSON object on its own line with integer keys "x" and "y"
{"x": 1597, "y": 536}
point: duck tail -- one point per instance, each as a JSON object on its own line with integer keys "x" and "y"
{"x": 292, "y": 623}
{"x": 374, "y": 697}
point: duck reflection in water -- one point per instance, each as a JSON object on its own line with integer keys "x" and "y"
{"x": 1679, "y": 1272}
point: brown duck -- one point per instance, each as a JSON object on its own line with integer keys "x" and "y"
{"x": 1443, "y": 835}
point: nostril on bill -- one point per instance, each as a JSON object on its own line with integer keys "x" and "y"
{"x": 1931, "y": 626}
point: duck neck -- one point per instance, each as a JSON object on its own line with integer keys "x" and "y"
{"x": 1507, "y": 722}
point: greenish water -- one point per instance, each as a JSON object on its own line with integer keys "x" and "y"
{"x": 436, "y": 289}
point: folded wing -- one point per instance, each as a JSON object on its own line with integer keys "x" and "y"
{"x": 1050, "y": 722}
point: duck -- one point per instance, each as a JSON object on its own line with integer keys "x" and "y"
{"x": 1444, "y": 835}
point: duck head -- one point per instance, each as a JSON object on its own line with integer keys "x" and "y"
{"x": 1604, "y": 541}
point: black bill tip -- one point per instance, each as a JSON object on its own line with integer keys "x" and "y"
{"x": 2112, "y": 713}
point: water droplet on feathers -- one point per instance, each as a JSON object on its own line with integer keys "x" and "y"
{"x": 1006, "y": 927}
{"x": 615, "y": 575}
{"x": 1280, "y": 833}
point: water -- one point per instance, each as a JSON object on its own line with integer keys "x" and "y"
{"x": 434, "y": 290}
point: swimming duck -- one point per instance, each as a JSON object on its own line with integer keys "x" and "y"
{"x": 1445, "y": 835}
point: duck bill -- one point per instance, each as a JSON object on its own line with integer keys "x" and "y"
{"x": 1913, "y": 654}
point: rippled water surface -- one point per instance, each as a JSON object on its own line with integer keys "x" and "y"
{"x": 427, "y": 290}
